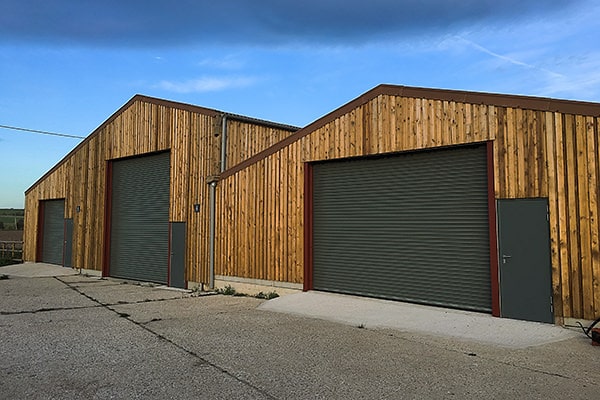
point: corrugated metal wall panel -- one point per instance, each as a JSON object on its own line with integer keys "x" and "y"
{"x": 54, "y": 231}
{"x": 412, "y": 227}
{"x": 139, "y": 244}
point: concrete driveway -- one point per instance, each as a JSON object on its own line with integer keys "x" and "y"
{"x": 74, "y": 337}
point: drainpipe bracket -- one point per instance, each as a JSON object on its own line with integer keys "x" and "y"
{"x": 212, "y": 179}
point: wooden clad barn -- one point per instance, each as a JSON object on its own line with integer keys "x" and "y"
{"x": 282, "y": 215}
{"x": 469, "y": 200}
{"x": 178, "y": 148}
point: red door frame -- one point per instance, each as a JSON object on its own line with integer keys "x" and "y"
{"x": 308, "y": 227}
{"x": 39, "y": 248}
{"x": 494, "y": 276}
{"x": 107, "y": 219}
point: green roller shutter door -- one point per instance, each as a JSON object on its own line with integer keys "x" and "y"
{"x": 139, "y": 244}
{"x": 411, "y": 227}
{"x": 53, "y": 231}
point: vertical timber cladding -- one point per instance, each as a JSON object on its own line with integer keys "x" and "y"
{"x": 411, "y": 227}
{"x": 53, "y": 231}
{"x": 139, "y": 221}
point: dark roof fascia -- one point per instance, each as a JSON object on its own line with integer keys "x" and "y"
{"x": 494, "y": 99}
{"x": 498, "y": 100}
{"x": 167, "y": 103}
{"x": 213, "y": 113}
{"x": 262, "y": 122}
{"x": 173, "y": 104}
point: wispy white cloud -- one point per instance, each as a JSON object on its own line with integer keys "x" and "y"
{"x": 206, "y": 84}
{"x": 582, "y": 77}
{"x": 554, "y": 56}
{"x": 508, "y": 58}
{"x": 535, "y": 65}
{"x": 229, "y": 62}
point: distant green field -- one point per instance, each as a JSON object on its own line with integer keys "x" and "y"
{"x": 11, "y": 218}
{"x": 12, "y": 211}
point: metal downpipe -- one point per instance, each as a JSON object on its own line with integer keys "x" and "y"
{"x": 211, "y": 244}
{"x": 224, "y": 143}
{"x": 212, "y": 205}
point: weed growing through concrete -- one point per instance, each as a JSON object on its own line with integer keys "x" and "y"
{"x": 230, "y": 291}
{"x": 267, "y": 296}
{"x": 196, "y": 290}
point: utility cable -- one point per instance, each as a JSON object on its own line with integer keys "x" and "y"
{"x": 41, "y": 132}
{"x": 589, "y": 329}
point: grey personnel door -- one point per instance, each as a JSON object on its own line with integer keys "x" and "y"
{"x": 177, "y": 260}
{"x": 68, "y": 243}
{"x": 524, "y": 259}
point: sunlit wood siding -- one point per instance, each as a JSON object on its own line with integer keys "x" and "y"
{"x": 244, "y": 139}
{"x": 145, "y": 125}
{"x": 542, "y": 148}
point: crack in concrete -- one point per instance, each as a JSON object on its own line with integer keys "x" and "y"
{"x": 171, "y": 342}
{"x": 99, "y": 283}
{"x": 472, "y": 354}
{"x": 99, "y": 304}
{"x": 41, "y": 310}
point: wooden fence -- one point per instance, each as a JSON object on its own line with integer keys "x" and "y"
{"x": 11, "y": 250}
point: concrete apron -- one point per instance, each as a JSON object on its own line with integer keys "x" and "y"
{"x": 36, "y": 270}
{"x": 384, "y": 314}
{"x": 43, "y": 270}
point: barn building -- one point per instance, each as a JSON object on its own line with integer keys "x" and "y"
{"x": 467, "y": 200}
{"x": 133, "y": 200}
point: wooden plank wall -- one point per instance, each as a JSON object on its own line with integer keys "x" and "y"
{"x": 260, "y": 209}
{"x": 193, "y": 139}
{"x": 54, "y": 188}
{"x": 203, "y": 161}
{"x": 536, "y": 154}
{"x": 142, "y": 128}
{"x": 245, "y": 140}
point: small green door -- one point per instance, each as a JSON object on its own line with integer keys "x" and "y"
{"x": 524, "y": 260}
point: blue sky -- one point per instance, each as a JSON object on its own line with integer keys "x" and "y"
{"x": 66, "y": 66}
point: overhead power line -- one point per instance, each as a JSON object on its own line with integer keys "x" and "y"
{"x": 41, "y": 132}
